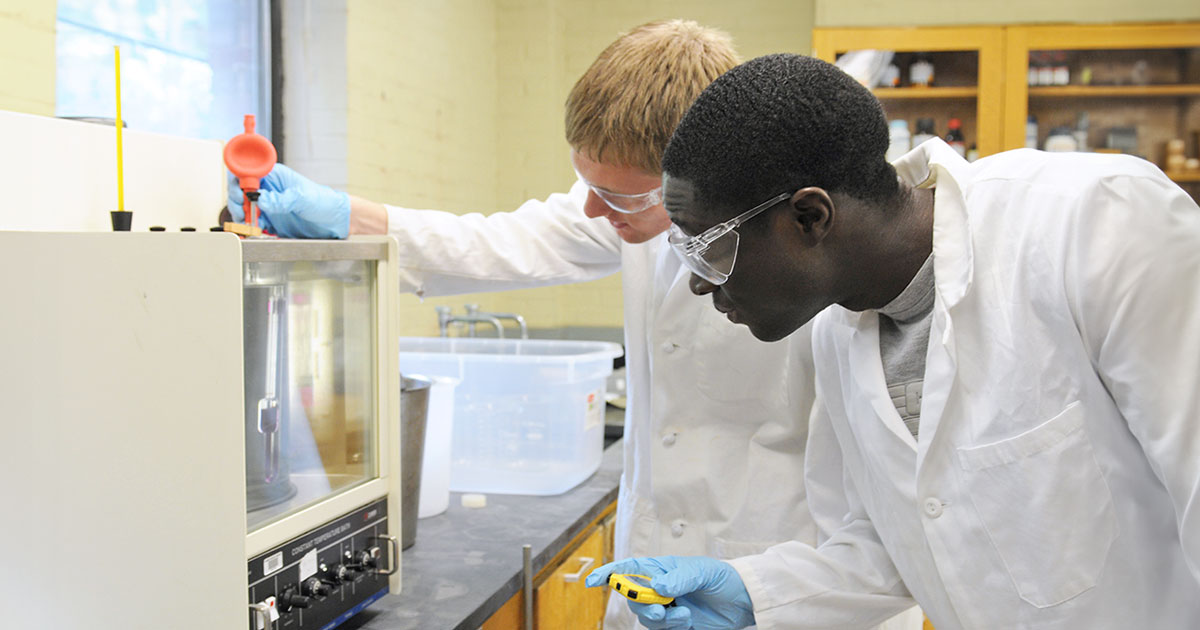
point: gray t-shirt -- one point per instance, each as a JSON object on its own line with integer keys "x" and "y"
{"x": 903, "y": 342}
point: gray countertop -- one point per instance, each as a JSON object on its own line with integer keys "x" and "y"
{"x": 466, "y": 563}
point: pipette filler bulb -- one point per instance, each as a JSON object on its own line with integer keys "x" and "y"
{"x": 250, "y": 156}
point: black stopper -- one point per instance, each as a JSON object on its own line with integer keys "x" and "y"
{"x": 121, "y": 220}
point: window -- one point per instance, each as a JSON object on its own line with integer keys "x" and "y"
{"x": 188, "y": 67}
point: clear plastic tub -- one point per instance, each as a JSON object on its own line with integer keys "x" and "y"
{"x": 528, "y": 413}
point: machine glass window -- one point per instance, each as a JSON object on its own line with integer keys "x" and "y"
{"x": 309, "y": 378}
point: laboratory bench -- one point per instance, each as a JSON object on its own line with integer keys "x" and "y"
{"x": 466, "y": 563}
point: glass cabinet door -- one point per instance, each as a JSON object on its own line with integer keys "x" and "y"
{"x": 1115, "y": 88}
{"x": 966, "y": 83}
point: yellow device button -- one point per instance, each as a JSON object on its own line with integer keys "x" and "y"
{"x": 637, "y": 588}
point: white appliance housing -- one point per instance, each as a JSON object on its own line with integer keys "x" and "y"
{"x": 123, "y": 483}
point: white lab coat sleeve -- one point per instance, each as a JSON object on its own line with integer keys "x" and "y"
{"x": 1132, "y": 276}
{"x": 539, "y": 244}
{"x": 848, "y": 581}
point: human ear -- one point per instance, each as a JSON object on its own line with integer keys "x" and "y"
{"x": 813, "y": 210}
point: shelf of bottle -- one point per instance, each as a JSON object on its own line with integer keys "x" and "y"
{"x": 925, "y": 92}
{"x": 1108, "y": 91}
{"x": 1184, "y": 177}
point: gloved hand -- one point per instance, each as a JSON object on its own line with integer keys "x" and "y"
{"x": 292, "y": 206}
{"x": 709, "y": 594}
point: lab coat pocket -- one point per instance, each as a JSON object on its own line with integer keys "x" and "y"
{"x": 1046, "y": 507}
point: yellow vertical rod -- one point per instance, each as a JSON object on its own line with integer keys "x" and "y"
{"x": 120, "y": 160}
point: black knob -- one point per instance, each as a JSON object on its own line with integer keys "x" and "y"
{"x": 364, "y": 560}
{"x": 338, "y": 573}
{"x": 316, "y": 587}
{"x": 331, "y": 575}
{"x": 291, "y": 598}
{"x": 368, "y": 558}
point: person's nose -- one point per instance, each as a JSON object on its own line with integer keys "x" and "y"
{"x": 594, "y": 207}
{"x": 700, "y": 286}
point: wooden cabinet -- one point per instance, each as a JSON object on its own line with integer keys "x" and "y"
{"x": 968, "y": 75}
{"x": 1137, "y": 86}
{"x": 560, "y": 598}
{"x": 1134, "y": 84}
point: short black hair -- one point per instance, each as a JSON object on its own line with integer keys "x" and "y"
{"x": 778, "y": 123}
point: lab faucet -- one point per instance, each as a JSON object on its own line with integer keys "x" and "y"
{"x": 445, "y": 319}
{"x": 473, "y": 309}
{"x": 474, "y": 316}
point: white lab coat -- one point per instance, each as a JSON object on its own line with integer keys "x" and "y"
{"x": 1056, "y": 480}
{"x": 716, "y": 424}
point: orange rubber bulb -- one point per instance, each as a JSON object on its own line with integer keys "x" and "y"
{"x": 249, "y": 156}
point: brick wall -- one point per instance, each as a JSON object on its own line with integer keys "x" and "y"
{"x": 27, "y": 56}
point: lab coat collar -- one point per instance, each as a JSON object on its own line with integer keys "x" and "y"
{"x": 933, "y": 164}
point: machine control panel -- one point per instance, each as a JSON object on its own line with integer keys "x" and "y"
{"x": 322, "y": 578}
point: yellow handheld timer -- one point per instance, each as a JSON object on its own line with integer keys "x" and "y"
{"x": 637, "y": 588}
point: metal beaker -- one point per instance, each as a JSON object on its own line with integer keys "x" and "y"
{"x": 414, "y": 409}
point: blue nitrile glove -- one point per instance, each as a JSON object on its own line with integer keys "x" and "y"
{"x": 709, "y": 594}
{"x": 292, "y": 206}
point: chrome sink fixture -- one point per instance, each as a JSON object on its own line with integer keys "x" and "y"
{"x": 474, "y": 316}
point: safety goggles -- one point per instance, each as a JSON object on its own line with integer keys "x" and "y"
{"x": 711, "y": 253}
{"x": 625, "y": 204}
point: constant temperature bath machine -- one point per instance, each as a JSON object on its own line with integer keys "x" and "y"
{"x": 201, "y": 432}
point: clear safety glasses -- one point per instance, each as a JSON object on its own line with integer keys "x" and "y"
{"x": 625, "y": 204}
{"x": 711, "y": 253}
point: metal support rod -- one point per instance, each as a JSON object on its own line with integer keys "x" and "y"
{"x": 527, "y": 564}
